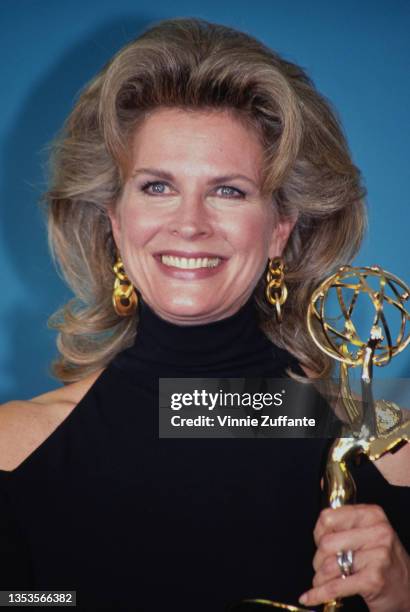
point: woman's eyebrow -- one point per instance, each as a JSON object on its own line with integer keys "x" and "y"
{"x": 170, "y": 177}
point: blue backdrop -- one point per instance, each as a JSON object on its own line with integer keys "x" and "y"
{"x": 356, "y": 52}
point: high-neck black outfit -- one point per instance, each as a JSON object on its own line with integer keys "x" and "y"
{"x": 134, "y": 522}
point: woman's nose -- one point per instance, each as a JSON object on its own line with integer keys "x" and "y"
{"x": 191, "y": 219}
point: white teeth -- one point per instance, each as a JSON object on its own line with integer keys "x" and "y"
{"x": 191, "y": 263}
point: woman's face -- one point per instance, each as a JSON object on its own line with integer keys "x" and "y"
{"x": 192, "y": 226}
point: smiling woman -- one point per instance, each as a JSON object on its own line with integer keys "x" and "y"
{"x": 199, "y": 181}
{"x": 221, "y": 99}
{"x": 193, "y": 234}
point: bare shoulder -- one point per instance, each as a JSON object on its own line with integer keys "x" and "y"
{"x": 395, "y": 467}
{"x": 25, "y": 424}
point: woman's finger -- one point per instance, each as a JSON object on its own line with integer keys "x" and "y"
{"x": 360, "y": 582}
{"x": 348, "y": 517}
{"x": 361, "y": 539}
{"x": 329, "y": 569}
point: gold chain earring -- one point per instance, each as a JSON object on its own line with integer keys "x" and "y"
{"x": 124, "y": 297}
{"x": 276, "y": 291}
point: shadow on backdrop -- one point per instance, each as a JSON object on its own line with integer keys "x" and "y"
{"x": 24, "y": 235}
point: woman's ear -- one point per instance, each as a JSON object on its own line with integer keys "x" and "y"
{"x": 281, "y": 235}
{"x": 115, "y": 224}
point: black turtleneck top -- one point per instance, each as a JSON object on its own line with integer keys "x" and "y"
{"x": 136, "y": 522}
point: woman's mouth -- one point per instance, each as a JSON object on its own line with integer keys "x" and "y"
{"x": 190, "y": 263}
{"x": 190, "y": 268}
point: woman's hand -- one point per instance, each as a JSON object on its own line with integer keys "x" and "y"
{"x": 381, "y": 566}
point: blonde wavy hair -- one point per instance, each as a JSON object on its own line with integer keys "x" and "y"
{"x": 194, "y": 64}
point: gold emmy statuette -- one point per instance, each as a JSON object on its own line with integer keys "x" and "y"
{"x": 372, "y": 428}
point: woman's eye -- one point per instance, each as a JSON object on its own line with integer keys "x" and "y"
{"x": 230, "y": 192}
{"x": 160, "y": 188}
{"x": 155, "y": 188}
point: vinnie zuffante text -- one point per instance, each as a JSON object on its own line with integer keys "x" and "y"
{"x": 248, "y": 421}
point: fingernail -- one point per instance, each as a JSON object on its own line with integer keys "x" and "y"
{"x": 303, "y": 598}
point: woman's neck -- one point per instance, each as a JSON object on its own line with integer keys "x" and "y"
{"x": 233, "y": 346}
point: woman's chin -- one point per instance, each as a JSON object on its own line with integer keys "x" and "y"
{"x": 188, "y": 311}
